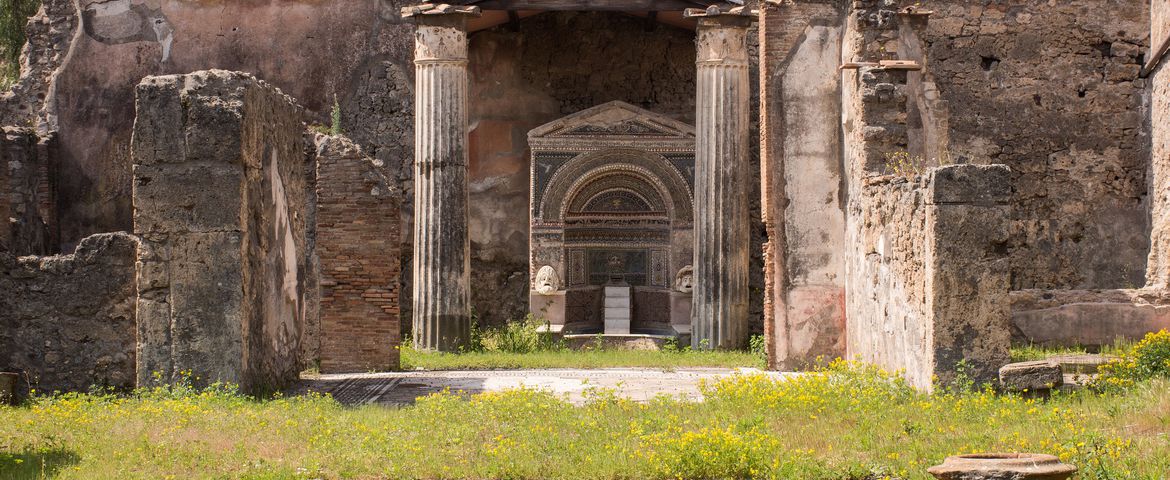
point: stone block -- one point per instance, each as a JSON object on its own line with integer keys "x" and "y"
{"x": 187, "y": 197}
{"x": 207, "y": 305}
{"x": 1037, "y": 376}
{"x": 970, "y": 184}
{"x": 8, "y": 381}
{"x": 159, "y": 119}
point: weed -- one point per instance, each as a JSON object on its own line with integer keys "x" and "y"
{"x": 1147, "y": 359}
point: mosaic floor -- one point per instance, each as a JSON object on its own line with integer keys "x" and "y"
{"x": 402, "y": 388}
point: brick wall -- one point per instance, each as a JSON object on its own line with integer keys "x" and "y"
{"x": 358, "y": 249}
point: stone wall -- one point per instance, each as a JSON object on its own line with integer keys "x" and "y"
{"x": 31, "y": 102}
{"x": 220, "y": 199}
{"x": 67, "y": 321}
{"x": 1158, "y": 273}
{"x": 802, "y": 194}
{"x": 1087, "y": 318}
{"x": 1052, "y": 89}
{"x": 118, "y": 42}
{"x": 927, "y": 273}
{"x": 27, "y": 206}
{"x": 522, "y": 77}
{"x": 357, "y": 244}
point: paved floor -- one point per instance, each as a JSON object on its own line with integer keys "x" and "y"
{"x": 402, "y": 388}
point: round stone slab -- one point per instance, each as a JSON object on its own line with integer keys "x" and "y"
{"x": 1002, "y": 466}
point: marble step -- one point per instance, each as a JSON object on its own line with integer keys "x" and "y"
{"x": 617, "y": 302}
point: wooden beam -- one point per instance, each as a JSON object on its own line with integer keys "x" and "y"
{"x": 651, "y": 21}
{"x": 513, "y": 21}
{"x": 589, "y": 5}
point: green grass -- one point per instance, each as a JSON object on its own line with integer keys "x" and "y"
{"x": 413, "y": 359}
{"x": 848, "y": 422}
{"x": 1025, "y": 353}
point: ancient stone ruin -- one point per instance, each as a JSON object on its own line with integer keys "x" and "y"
{"x": 916, "y": 186}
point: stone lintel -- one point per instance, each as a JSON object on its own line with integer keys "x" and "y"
{"x": 428, "y": 11}
{"x": 733, "y": 15}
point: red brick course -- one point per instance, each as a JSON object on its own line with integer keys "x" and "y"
{"x": 358, "y": 248}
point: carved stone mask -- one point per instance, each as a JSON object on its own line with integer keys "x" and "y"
{"x": 547, "y": 280}
{"x": 684, "y": 280}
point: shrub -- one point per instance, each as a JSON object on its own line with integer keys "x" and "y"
{"x": 1149, "y": 358}
{"x": 514, "y": 337}
{"x": 13, "y": 17}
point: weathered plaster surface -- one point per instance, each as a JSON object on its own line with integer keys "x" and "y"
{"x": 1087, "y": 318}
{"x": 1158, "y": 272}
{"x": 804, "y": 195}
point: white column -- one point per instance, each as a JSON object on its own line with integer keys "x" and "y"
{"x": 441, "y": 269}
{"x": 720, "y": 308}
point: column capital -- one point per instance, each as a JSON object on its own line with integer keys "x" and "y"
{"x": 721, "y": 37}
{"x": 441, "y": 36}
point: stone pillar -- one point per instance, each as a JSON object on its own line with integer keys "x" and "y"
{"x": 720, "y": 309}
{"x": 442, "y": 250}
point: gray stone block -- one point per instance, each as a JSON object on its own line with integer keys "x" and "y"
{"x": 1030, "y": 376}
{"x": 187, "y": 197}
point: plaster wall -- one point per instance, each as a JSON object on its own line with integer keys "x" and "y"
{"x": 803, "y": 194}
{"x": 317, "y": 52}
{"x": 533, "y": 72}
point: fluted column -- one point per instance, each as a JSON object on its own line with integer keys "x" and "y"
{"x": 442, "y": 251}
{"x": 720, "y": 308}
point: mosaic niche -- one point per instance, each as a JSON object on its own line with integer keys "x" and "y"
{"x": 611, "y": 202}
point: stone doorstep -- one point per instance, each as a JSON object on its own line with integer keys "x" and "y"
{"x": 1085, "y": 364}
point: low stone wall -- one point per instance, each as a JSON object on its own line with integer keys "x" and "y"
{"x": 927, "y": 274}
{"x": 220, "y": 202}
{"x": 27, "y": 203}
{"x": 67, "y": 321}
{"x": 358, "y": 249}
{"x": 1087, "y": 318}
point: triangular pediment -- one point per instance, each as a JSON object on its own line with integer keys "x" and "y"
{"x": 614, "y": 119}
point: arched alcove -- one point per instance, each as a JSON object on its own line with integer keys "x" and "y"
{"x": 612, "y": 201}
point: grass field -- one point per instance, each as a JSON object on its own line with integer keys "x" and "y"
{"x": 487, "y": 360}
{"x": 847, "y": 422}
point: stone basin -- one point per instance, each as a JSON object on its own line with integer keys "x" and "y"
{"x": 1002, "y": 466}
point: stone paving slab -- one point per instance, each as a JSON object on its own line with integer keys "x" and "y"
{"x": 402, "y": 388}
